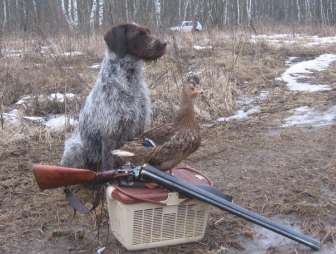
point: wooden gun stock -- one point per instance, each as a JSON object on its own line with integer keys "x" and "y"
{"x": 50, "y": 177}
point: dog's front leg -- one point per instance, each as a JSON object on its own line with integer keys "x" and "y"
{"x": 107, "y": 160}
{"x": 110, "y": 161}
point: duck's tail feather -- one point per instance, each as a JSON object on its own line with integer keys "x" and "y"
{"x": 121, "y": 153}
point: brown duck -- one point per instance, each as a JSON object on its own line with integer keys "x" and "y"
{"x": 166, "y": 146}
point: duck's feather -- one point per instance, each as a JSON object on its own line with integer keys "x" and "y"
{"x": 148, "y": 143}
{"x": 161, "y": 134}
{"x": 174, "y": 151}
{"x": 165, "y": 156}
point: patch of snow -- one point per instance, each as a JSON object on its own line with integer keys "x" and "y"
{"x": 305, "y": 116}
{"x": 101, "y": 250}
{"x": 13, "y": 112}
{"x": 23, "y": 99}
{"x": 202, "y": 47}
{"x": 279, "y": 39}
{"x": 295, "y": 71}
{"x": 290, "y": 60}
{"x": 263, "y": 95}
{"x": 57, "y": 123}
{"x": 73, "y": 53}
{"x": 13, "y": 50}
{"x": 199, "y": 72}
{"x": 44, "y": 49}
{"x": 320, "y": 40}
{"x": 306, "y": 87}
{"x": 13, "y": 55}
{"x": 13, "y": 116}
{"x": 241, "y": 114}
{"x": 95, "y": 66}
{"x": 60, "y": 97}
{"x": 244, "y": 100}
{"x": 274, "y": 38}
{"x": 10, "y": 116}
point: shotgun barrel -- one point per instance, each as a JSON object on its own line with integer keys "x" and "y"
{"x": 171, "y": 182}
{"x": 49, "y": 177}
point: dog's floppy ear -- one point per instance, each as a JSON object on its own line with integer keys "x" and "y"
{"x": 116, "y": 40}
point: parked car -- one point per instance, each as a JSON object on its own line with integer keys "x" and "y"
{"x": 187, "y": 26}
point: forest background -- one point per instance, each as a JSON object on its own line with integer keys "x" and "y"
{"x": 85, "y": 16}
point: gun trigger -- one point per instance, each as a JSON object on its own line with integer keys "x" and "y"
{"x": 130, "y": 177}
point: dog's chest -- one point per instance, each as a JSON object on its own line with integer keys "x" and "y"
{"x": 121, "y": 96}
{"x": 124, "y": 86}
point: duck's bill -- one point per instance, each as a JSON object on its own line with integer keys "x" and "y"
{"x": 198, "y": 89}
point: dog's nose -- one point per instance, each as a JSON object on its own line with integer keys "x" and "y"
{"x": 164, "y": 43}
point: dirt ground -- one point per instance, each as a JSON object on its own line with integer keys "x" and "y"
{"x": 285, "y": 174}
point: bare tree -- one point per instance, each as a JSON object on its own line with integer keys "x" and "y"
{"x": 157, "y": 5}
{"x": 84, "y": 15}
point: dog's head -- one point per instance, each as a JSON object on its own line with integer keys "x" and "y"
{"x": 134, "y": 40}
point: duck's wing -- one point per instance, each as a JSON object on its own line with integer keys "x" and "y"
{"x": 161, "y": 134}
{"x": 181, "y": 145}
{"x": 134, "y": 152}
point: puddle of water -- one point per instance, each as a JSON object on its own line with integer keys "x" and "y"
{"x": 264, "y": 239}
{"x": 328, "y": 193}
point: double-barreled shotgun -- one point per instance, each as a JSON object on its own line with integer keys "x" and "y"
{"x": 49, "y": 177}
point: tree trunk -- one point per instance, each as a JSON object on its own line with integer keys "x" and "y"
{"x": 185, "y": 10}
{"x": 157, "y": 6}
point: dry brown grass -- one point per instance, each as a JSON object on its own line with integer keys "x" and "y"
{"x": 289, "y": 173}
{"x": 225, "y": 67}
{"x": 231, "y": 61}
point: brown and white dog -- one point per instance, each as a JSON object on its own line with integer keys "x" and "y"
{"x": 118, "y": 107}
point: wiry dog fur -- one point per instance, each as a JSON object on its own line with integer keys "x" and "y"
{"x": 118, "y": 107}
